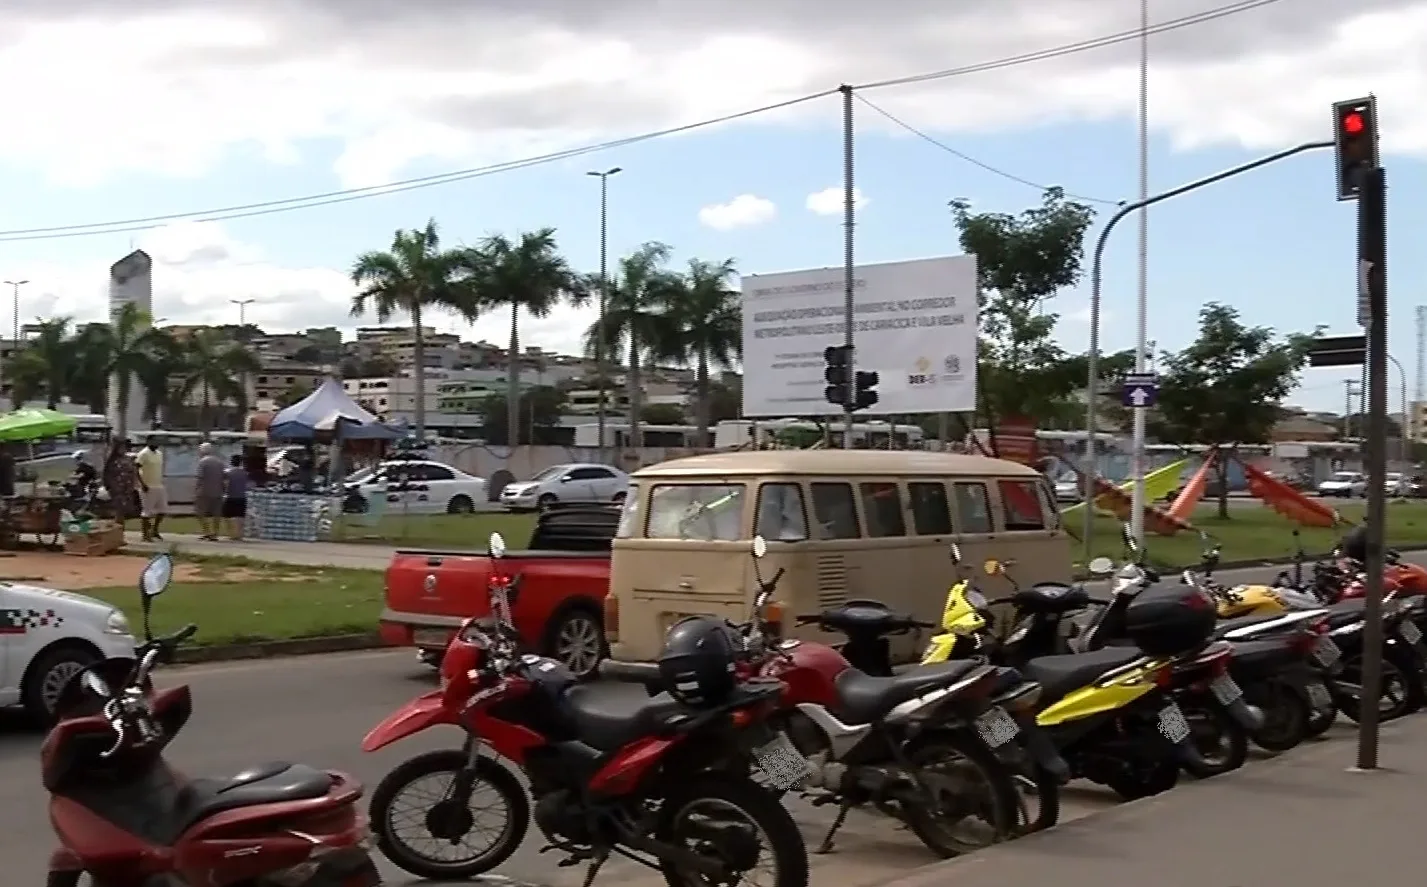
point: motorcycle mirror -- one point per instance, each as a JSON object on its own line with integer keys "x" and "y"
{"x": 497, "y": 545}
{"x": 992, "y": 567}
{"x": 760, "y": 546}
{"x": 95, "y": 684}
{"x": 1101, "y": 566}
{"x": 157, "y": 574}
{"x": 955, "y": 553}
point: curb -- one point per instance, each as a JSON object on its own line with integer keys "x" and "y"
{"x": 266, "y": 649}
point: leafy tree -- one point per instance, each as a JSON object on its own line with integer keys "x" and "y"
{"x": 705, "y": 328}
{"x": 213, "y": 368}
{"x": 168, "y": 360}
{"x": 294, "y": 393}
{"x": 1023, "y": 261}
{"x": 662, "y": 414}
{"x": 526, "y": 273}
{"x": 44, "y": 365}
{"x": 1226, "y": 387}
{"x": 309, "y": 354}
{"x": 89, "y": 380}
{"x": 539, "y": 410}
{"x": 415, "y": 276}
{"x": 128, "y": 344}
{"x": 725, "y": 402}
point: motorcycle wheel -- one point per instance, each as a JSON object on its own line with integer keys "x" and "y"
{"x": 1222, "y": 743}
{"x": 997, "y": 804}
{"x": 1402, "y": 687}
{"x": 1320, "y": 722}
{"x": 773, "y": 825}
{"x": 1134, "y": 784}
{"x": 1037, "y": 800}
{"x": 447, "y": 820}
{"x": 1286, "y": 716}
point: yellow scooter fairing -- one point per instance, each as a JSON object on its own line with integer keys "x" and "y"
{"x": 1249, "y": 600}
{"x": 960, "y": 617}
{"x": 1116, "y": 689}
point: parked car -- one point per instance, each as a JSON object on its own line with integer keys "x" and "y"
{"x": 414, "y": 486}
{"x": 1344, "y": 485}
{"x": 1067, "y": 489}
{"x": 558, "y": 484}
{"x": 556, "y": 599}
{"x": 1398, "y": 485}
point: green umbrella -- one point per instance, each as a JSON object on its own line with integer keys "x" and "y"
{"x": 24, "y": 425}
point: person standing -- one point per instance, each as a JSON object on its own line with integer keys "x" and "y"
{"x": 208, "y": 492}
{"x": 119, "y": 480}
{"x": 149, "y": 469}
{"x": 235, "y": 497}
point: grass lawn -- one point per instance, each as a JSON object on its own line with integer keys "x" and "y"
{"x": 450, "y": 531}
{"x": 1252, "y": 532}
{"x": 233, "y": 600}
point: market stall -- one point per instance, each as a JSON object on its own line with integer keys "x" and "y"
{"x": 37, "y": 508}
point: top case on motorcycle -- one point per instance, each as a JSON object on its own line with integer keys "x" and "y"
{"x": 610, "y": 716}
{"x": 1051, "y": 597}
{"x": 1061, "y": 675}
{"x": 863, "y": 698}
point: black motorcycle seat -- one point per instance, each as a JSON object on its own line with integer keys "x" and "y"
{"x": 273, "y": 783}
{"x": 864, "y": 698}
{"x": 610, "y": 716}
{"x": 1346, "y": 612}
{"x": 1051, "y": 597}
{"x": 1060, "y": 675}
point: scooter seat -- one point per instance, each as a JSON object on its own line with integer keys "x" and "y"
{"x": 863, "y": 698}
{"x": 1060, "y": 675}
{"x": 1346, "y": 612}
{"x": 274, "y": 783}
{"x": 610, "y": 716}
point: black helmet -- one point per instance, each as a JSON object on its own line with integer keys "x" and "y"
{"x": 697, "y": 662}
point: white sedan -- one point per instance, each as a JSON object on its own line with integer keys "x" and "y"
{"x": 576, "y": 482}
{"x": 413, "y": 486}
{"x": 1344, "y": 484}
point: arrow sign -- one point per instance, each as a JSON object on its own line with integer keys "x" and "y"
{"x": 1139, "y": 390}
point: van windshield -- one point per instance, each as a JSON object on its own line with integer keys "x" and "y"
{"x": 703, "y": 512}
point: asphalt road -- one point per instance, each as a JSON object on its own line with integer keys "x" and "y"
{"x": 317, "y": 709}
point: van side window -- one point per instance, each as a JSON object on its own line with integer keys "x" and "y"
{"x": 1021, "y": 505}
{"x": 973, "y": 509}
{"x": 781, "y": 517}
{"x": 1048, "y": 507}
{"x": 835, "y": 511}
{"x": 629, "y": 516}
{"x": 704, "y": 512}
{"x": 930, "y": 514}
{"x": 882, "y": 503}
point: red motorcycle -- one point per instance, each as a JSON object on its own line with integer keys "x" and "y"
{"x": 661, "y": 782}
{"x": 127, "y": 819}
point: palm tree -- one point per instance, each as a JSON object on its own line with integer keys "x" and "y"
{"x": 634, "y": 321}
{"x": 415, "y": 275}
{"x": 166, "y": 362}
{"x": 214, "y": 368}
{"x": 89, "y": 378}
{"x": 44, "y": 365}
{"x": 530, "y": 274}
{"x": 128, "y": 341}
{"x": 705, "y": 328}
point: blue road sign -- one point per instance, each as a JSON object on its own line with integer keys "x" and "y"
{"x": 1139, "y": 390}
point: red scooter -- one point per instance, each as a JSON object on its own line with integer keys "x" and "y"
{"x": 663, "y": 783}
{"x": 126, "y": 819}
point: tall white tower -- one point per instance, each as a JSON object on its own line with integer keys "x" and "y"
{"x": 130, "y": 280}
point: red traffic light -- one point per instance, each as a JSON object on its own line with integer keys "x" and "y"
{"x": 1353, "y": 124}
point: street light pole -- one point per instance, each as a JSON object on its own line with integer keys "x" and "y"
{"x": 242, "y": 329}
{"x": 1137, "y": 510}
{"x": 15, "y": 349}
{"x": 603, "y": 176}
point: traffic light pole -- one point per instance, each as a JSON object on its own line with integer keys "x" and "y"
{"x": 849, "y": 199}
{"x": 1372, "y": 281}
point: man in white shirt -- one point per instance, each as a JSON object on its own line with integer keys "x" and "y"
{"x": 149, "y": 465}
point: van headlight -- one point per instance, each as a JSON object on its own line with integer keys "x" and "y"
{"x": 117, "y": 623}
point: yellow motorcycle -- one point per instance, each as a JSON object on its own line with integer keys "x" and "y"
{"x": 1108, "y": 711}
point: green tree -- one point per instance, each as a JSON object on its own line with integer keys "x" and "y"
{"x": 635, "y": 323}
{"x": 167, "y": 361}
{"x": 89, "y": 379}
{"x": 43, "y": 366}
{"x": 662, "y": 414}
{"x": 414, "y": 276}
{"x": 528, "y": 274}
{"x": 1023, "y": 261}
{"x": 294, "y": 393}
{"x": 212, "y": 369}
{"x": 705, "y": 328}
{"x": 1226, "y": 387}
{"x": 725, "y": 402}
{"x": 127, "y": 343}
{"x": 538, "y": 410}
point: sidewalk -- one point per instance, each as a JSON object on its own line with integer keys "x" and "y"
{"x": 1303, "y": 819}
{"x": 307, "y": 554}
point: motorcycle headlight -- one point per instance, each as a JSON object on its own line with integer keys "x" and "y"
{"x": 117, "y": 623}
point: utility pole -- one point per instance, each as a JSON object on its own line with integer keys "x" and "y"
{"x": 603, "y": 176}
{"x": 1137, "y": 507}
{"x": 242, "y": 333}
{"x": 15, "y": 349}
{"x": 1350, "y": 391}
{"x": 849, "y": 199}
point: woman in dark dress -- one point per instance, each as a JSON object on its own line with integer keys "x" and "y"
{"x": 120, "y": 481}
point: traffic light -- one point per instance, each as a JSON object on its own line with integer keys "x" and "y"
{"x": 1354, "y": 143}
{"x": 864, "y": 393}
{"x": 838, "y": 374}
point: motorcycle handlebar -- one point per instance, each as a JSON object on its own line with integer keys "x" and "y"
{"x": 629, "y": 672}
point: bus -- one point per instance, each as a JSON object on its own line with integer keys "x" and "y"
{"x": 802, "y": 433}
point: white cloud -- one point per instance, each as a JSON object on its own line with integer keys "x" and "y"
{"x": 172, "y": 87}
{"x": 832, "y": 201}
{"x": 743, "y": 211}
{"x": 198, "y": 268}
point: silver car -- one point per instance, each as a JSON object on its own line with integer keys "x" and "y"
{"x": 573, "y": 482}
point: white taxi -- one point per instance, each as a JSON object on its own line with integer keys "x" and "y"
{"x": 49, "y": 636}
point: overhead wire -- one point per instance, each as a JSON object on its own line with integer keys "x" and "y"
{"x": 312, "y": 201}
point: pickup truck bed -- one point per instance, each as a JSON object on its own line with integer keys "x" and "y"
{"x": 561, "y": 580}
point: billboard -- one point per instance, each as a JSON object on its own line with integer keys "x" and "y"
{"x": 914, "y": 324}
{"x": 130, "y": 280}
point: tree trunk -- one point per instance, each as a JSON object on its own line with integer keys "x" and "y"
{"x": 418, "y": 372}
{"x": 512, "y": 381}
{"x": 701, "y": 399}
{"x": 206, "y": 422}
{"x": 636, "y": 401}
{"x": 121, "y": 406}
{"x": 1221, "y": 469}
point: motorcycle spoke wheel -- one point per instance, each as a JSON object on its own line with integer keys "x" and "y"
{"x": 739, "y": 825}
{"x": 976, "y": 803}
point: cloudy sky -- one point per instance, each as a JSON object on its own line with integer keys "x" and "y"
{"x": 120, "y": 113}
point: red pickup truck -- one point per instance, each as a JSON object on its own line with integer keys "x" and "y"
{"x": 557, "y": 593}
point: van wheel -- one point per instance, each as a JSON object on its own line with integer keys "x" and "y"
{"x": 575, "y": 639}
{"x": 49, "y": 673}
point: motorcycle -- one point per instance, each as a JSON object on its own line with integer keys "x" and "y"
{"x": 649, "y": 778}
{"x": 127, "y": 819}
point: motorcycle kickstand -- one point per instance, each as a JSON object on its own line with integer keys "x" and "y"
{"x": 826, "y": 846}
{"x": 595, "y": 865}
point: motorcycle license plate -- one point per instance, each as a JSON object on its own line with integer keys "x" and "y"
{"x": 1172, "y": 724}
{"x": 430, "y": 637}
{"x": 783, "y": 764}
{"x": 1319, "y": 697}
{"x": 1410, "y": 633}
{"x": 996, "y": 727}
{"x": 1326, "y": 652}
{"x": 1225, "y": 690}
